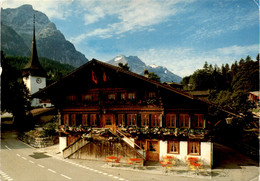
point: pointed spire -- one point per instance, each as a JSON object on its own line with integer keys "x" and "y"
{"x": 33, "y": 67}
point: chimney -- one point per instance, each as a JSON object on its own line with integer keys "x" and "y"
{"x": 146, "y": 73}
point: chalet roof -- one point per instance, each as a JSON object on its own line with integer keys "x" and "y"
{"x": 56, "y": 84}
{"x": 200, "y": 93}
{"x": 33, "y": 67}
{"x": 117, "y": 69}
{"x": 40, "y": 111}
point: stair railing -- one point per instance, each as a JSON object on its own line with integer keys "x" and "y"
{"x": 131, "y": 142}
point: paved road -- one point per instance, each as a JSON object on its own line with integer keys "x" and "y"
{"x": 20, "y": 162}
{"x": 23, "y": 163}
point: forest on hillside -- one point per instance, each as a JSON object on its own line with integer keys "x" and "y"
{"x": 54, "y": 69}
{"x": 229, "y": 85}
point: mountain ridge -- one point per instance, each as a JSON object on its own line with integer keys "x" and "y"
{"x": 138, "y": 66}
{"x": 51, "y": 43}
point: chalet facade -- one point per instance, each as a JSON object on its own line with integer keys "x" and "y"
{"x": 136, "y": 115}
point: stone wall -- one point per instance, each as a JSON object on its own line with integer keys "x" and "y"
{"x": 38, "y": 142}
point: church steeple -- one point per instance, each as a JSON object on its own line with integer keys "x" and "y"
{"x": 33, "y": 67}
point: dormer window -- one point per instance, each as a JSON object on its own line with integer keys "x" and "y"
{"x": 90, "y": 97}
{"x": 151, "y": 95}
{"x": 123, "y": 96}
{"x": 71, "y": 98}
{"x": 131, "y": 96}
{"x": 112, "y": 96}
{"x": 87, "y": 97}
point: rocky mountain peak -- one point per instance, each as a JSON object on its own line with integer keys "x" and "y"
{"x": 138, "y": 66}
{"x": 20, "y": 21}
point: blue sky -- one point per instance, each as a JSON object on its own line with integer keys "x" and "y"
{"x": 178, "y": 34}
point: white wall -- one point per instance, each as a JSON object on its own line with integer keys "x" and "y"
{"x": 63, "y": 143}
{"x": 37, "y": 86}
{"x": 33, "y": 87}
{"x": 206, "y": 152}
{"x": 163, "y": 149}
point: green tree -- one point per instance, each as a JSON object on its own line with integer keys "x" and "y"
{"x": 154, "y": 76}
{"x": 14, "y": 94}
{"x": 124, "y": 66}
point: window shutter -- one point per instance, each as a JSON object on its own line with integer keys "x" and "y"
{"x": 88, "y": 119}
{"x": 139, "y": 120}
{"x": 163, "y": 121}
{"x": 193, "y": 121}
{"x": 116, "y": 119}
{"x": 177, "y": 121}
{"x": 150, "y": 120}
{"x": 98, "y": 121}
{"x": 125, "y": 120}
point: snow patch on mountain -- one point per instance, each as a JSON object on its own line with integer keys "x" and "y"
{"x": 153, "y": 66}
{"x": 118, "y": 58}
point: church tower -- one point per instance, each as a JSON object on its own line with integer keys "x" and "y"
{"x": 34, "y": 76}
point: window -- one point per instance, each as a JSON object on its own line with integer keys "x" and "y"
{"x": 173, "y": 147}
{"x": 155, "y": 120}
{"x": 90, "y": 97}
{"x": 78, "y": 119}
{"x": 153, "y": 146}
{"x": 66, "y": 119}
{"x": 199, "y": 121}
{"x": 121, "y": 119}
{"x": 131, "y": 95}
{"x": 93, "y": 119}
{"x": 145, "y": 120}
{"x": 87, "y": 97}
{"x": 171, "y": 120}
{"x": 94, "y": 97}
{"x": 184, "y": 121}
{"x": 194, "y": 148}
{"x": 131, "y": 119}
{"x": 84, "y": 120}
{"x": 111, "y": 96}
{"x": 151, "y": 95}
{"x": 123, "y": 96}
{"x": 108, "y": 120}
{"x": 73, "y": 119}
{"x": 71, "y": 98}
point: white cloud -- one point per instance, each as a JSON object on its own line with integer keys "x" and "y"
{"x": 238, "y": 50}
{"x": 228, "y": 19}
{"x": 94, "y": 15}
{"x": 129, "y": 15}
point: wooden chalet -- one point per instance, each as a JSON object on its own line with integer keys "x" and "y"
{"x": 106, "y": 110}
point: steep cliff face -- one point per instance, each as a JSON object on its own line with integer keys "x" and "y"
{"x": 51, "y": 43}
{"x": 16, "y": 45}
{"x": 138, "y": 66}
